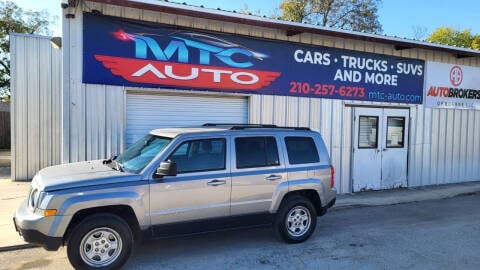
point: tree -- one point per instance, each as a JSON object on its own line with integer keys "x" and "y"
{"x": 459, "y": 38}
{"x": 356, "y": 15}
{"x": 419, "y": 32}
{"x": 246, "y": 11}
{"x": 14, "y": 19}
{"x": 476, "y": 42}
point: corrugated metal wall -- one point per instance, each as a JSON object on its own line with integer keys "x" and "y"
{"x": 444, "y": 146}
{"x": 35, "y": 103}
{"x": 94, "y": 115}
{"x": 442, "y": 142}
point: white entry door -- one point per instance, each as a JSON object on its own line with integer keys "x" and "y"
{"x": 380, "y": 148}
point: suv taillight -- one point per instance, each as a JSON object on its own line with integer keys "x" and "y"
{"x": 332, "y": 176}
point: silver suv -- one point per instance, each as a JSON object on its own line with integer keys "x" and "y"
{"x": 180, "y": 181}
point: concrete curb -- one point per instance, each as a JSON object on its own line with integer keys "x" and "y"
{"x": 17, "y": 247}
{"x": 356, "y": 205}
{"x": 406, "y": 195}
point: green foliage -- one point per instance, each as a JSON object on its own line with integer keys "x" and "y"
{"x": 14, "y": 19}
{"x": 295, "y": 11}
{"x": 356, "y": 15}
{"x": 450, "y": 36}
{"x": 476, "y": 42}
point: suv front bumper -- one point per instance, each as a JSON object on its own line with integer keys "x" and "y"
{"x": 29, "y": 225}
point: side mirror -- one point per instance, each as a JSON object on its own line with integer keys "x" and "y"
{"x": 167, "y": 168}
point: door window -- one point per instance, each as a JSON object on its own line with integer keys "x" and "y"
{"x": 256, "y": 152}
{"x": 395, "y": 132}
{"x": 200, "y": 155}
{"x": 301, "y": 150}
{"x": 368, "y": 132}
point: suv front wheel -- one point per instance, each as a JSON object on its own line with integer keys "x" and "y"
{"x": 296, "y": 219}
{"x": 101, "y": 241}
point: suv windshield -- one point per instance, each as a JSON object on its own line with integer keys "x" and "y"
{"x": 137, "y": 156}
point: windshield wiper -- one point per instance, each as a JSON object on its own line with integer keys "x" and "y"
{"x": 117, "y": 166}
{"x": 108, "y": 161}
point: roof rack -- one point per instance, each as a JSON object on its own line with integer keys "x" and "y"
{"x": 236, "y": 126}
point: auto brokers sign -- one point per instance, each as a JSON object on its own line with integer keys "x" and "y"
{"x": 452, "y": 86}
{"x": 119, "y": 51}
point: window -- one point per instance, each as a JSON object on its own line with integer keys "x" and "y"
{"x": 301, "y": 150}
{"x": 200, "y": 155}
{"x": 256, "y": 152}
{"x": 135, "y": 158}
{"x": 368, "y": 132}
{"x": 395, "y": 130}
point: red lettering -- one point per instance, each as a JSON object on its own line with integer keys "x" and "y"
{"x": 432, "y": 92}
{"x": 438, "y": 91}
{"x": 445, "y": 91}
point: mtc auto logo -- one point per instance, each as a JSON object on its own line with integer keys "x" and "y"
{"x": 173, "y": 65}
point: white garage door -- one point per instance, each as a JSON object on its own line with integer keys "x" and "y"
{"x": 146, "y": 112}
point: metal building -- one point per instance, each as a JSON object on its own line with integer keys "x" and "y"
{"x": 393, "y": 112}
{"x": 36, "y": 105}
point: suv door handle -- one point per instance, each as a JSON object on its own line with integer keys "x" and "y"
{"x": 273, "y": 177}
{"x": 216, "y": 182}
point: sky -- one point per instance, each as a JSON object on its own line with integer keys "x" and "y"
{"x": 401, "y": 18}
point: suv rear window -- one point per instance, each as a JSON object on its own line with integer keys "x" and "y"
{"x": 256, "y": 152}
{"x": 301, "y": 150}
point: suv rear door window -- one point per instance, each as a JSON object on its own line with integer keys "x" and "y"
{"x": 256, "y": 152}
{"x": 301, "y": 150}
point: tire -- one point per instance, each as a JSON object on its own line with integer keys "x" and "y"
{"x": 296, "y": 219}
{"x": 100, "y": 241}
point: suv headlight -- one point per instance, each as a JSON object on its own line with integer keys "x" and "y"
{"x": 36, "y": 198}
{"x": 34, "y": 202}
{"x": 33, "y": 198}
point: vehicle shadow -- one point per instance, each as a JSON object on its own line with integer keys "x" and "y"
{"x": 236, "y": 249}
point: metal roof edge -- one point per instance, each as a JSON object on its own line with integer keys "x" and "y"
{"x": 29, "y": 35}
{"x": 291, "y": 28}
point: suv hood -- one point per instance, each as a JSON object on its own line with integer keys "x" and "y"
{"x": 80, "y": 174}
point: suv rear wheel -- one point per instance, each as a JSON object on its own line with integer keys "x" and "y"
{"x": 296, "y": 219}
{"x": 101, "y": 241}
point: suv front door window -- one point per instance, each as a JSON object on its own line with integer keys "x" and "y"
{"x": 200, "y": 155}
